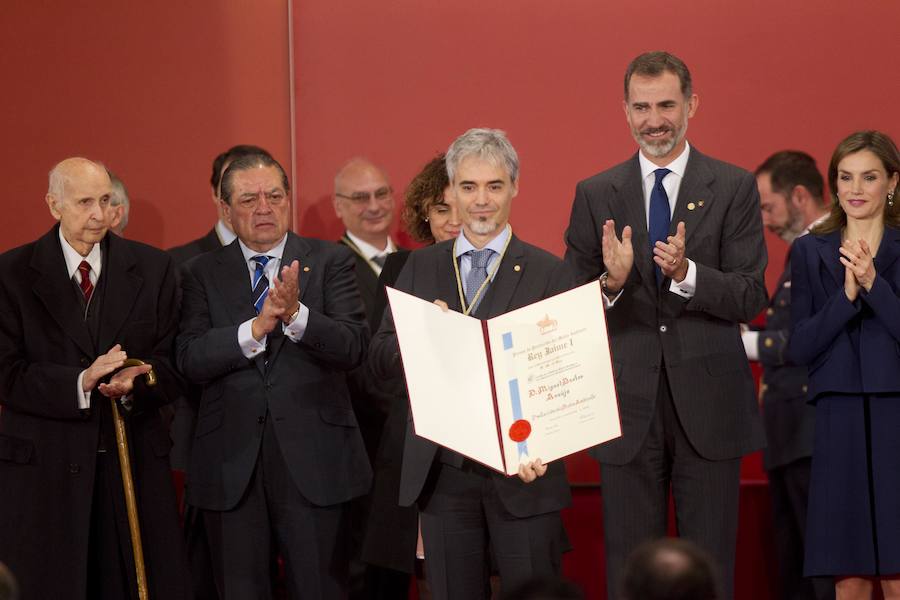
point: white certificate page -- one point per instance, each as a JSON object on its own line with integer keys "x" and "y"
{"x": 446, "y": 367}
{"x": 554, "y": 378}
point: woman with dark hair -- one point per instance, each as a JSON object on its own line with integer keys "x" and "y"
{"x": 846, "y": 328}
{"x": 429, "y": 215}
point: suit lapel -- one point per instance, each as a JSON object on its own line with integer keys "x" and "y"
{"x": 446, "y": 278}
{"x": 297, "y": 249}
{"x": 695, "y": 195}
{"x": 829, "y": 252}
{"x": 122, "y": 288}
{"x": 888, "y": 251}
{"x": 54, "y": 289}
{"x": 628, "y": 209}
{"x": 501, "y": 290}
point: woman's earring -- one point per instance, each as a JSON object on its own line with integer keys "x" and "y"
{"x": 891, "y": 198}
{"x": 426, "y": 219}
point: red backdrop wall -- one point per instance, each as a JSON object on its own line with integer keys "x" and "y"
{"x": 154, "y": 91}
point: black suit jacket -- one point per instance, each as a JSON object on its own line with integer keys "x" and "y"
{"x": 207, "y": 243}
{"x": 303, "y": 386}
{"x": 429, "y": 275}
{"x": 48, "y": 447}
{"x": 698, "y": 340}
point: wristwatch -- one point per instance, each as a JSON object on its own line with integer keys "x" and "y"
{"x": 604, "y": 285}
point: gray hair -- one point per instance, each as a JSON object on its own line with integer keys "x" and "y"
{"x": 119, "y": 197}
{"x": 488, "y": 144}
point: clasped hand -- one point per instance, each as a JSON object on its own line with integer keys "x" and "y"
{"x": 859, "y": 267}
{"x": 618, "y": 255}
{"x": 121, "y": 383}
{"x": 281, "y": 302}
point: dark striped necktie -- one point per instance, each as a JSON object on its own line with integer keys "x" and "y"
{"x": 87, "y": 288}
{"x": 260, "y": 281}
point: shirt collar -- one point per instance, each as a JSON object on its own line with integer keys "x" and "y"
{"x": 677, "y": 166}
{"x": 463, "y": 245}
{"x": 275, "y": 252}
{"x": 226, "y": 236}
{"x": 73, "y": 259}
{"x": 368, "y": 250}
{"x": 813, "y": 224}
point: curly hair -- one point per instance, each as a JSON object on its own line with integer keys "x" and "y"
{"x": 424, "y": 191}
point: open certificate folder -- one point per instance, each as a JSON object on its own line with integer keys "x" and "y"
{"x": 536, "y": 382}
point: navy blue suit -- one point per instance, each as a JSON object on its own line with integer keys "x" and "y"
{"x": 852, "y": 350}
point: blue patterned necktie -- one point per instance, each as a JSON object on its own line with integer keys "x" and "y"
{"x": 660, "y": 216}
{"x": 260, "y": 281}
{"x": 478, "y": 273}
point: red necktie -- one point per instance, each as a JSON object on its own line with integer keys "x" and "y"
{"x": 87, "y": 288}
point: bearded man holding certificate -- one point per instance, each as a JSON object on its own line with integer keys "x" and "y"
{"x": 465, "y": 507}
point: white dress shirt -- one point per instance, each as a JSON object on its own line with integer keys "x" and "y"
{"x": 73, "y": 259}
{"x": 294, "y": 332}
{"x": 672, "y": 184}
{"x": 369, "y": 251}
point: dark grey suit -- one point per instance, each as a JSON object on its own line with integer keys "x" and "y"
{"x": 291, "y": 405}
{"x": 431, "y": 475}
{"x": 662, "y": 342}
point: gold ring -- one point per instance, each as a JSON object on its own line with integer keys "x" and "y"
{"x": 672, "y": 262}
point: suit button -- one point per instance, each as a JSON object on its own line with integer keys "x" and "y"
{"x": 804, "y": 388}
{"x": 74, "y": 468}
{"x": 768, "y": 343}
{"x": 663, "y": 329}
{"x": 260, "y": 420}
{"x": 770, "y": 312}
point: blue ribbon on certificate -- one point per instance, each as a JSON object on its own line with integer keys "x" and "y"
{"x": 513, "y": 387}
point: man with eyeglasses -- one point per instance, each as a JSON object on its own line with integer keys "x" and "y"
{"x": 364, "y": 202}
{"x": 271, "y": 323}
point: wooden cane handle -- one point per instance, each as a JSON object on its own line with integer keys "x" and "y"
{"x": 149, "y": 377}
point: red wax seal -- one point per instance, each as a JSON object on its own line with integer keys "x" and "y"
{"x": 520, "y": 430}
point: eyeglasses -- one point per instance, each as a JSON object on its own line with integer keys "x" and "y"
{"x": 381, "y": 195}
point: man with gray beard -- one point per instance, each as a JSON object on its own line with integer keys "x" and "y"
{"x": 675, "y": 239}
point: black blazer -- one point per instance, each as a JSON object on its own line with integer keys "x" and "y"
{"x": 48, "y": 447}
{"x": 429, "y": 275}
{"x": 303, "y": 387}
{"x": 698, "y": 340}
{"x": 207, "y": 243}
{"x": 824, "y": 319}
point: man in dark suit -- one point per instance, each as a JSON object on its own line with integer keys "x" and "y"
{"x": 463, "y": 506}
{"x": 791, "y": 202}
{"x": 364, "y": 202}
{"x": 676, "y": 240}
{"x": 72, "y": 304}
{"x": 183, "y": 415}
{"x": 271, "y": 324}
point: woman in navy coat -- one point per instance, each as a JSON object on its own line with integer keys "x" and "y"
{"x": 846, "y": 328}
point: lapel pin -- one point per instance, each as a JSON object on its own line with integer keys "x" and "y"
{"x": 306, "y": 269}
{"x": 517, "y": 268}
{"x": 691, "y": 206}
{"x": 700, "y": 203}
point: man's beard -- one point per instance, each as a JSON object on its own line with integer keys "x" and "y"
{"x": 483, "y": 226}
{"x": 664, "y": 146}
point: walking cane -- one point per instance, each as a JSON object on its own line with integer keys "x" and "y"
{"x": 128, "y": 483}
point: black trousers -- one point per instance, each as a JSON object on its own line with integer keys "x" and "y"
{"x": 636, "y": 497}
{"x": 274, "y": 515}
{"x": 462, "y": 517}
{"x": 789, "y": 487}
